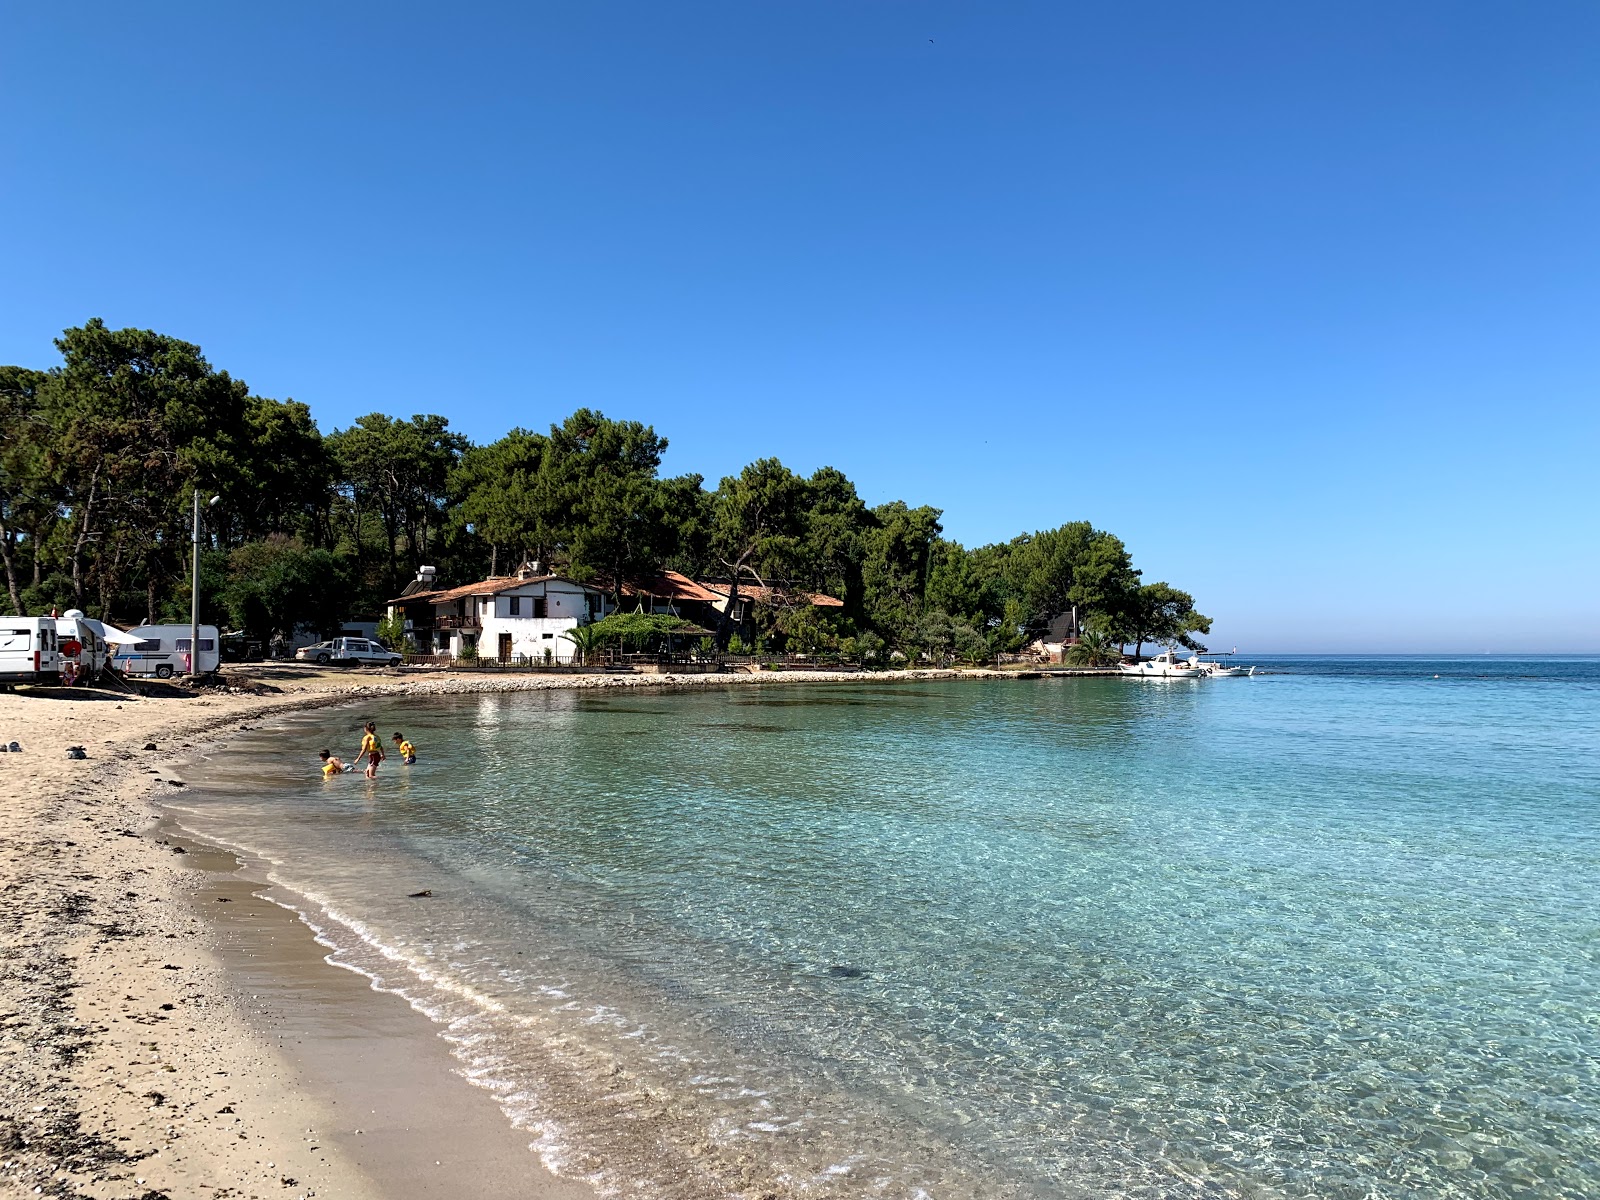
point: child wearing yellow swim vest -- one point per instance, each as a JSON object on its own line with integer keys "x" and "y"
{"x": 330, "y": 765}
{"x": 408, "y": 752}
{"x": 371, "y": 749}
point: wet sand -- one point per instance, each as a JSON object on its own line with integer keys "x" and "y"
{"x": 397, "y": 1111}
{"x": 168, "y": 1032}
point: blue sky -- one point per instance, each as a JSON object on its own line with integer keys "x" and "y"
{"x": 1300, "y": 300}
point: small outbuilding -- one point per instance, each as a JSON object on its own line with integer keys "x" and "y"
{"x": 1059, "y": 632}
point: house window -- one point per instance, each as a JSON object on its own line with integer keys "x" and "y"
{"x": 547, "y": 636}
{"x": 516, "y": 606}
{"x": 538, "y": 606}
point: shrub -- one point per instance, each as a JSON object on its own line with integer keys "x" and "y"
{"x": 869, "y": 646}
{"x": 970, "y": 646}
{"x": 391, "y": 632}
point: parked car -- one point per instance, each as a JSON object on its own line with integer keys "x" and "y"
{"x": 349, "y": 652}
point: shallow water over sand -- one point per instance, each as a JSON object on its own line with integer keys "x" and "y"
{"x": 1323, "y": 933}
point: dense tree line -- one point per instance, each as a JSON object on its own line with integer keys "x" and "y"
{"x": 101, "y": 455}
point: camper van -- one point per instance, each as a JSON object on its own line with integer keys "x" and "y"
{"x": 28, "y": 651}
{"x": 80, "y": 642}
{"x": 163, "y": 651}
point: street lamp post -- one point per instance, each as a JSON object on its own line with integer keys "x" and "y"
{"x": 194, "y": 591}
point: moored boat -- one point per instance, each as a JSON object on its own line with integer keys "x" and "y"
{"x": 1213, "y": 669}
{"x": 1166, "y": 665}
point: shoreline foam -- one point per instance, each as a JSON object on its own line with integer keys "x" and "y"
{"x": 358, "y": 1046}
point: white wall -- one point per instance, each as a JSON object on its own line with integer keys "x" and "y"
{"x": 561, "y": 600}
{"x": 566, "y": 606}
{"x": 529, "y": 635}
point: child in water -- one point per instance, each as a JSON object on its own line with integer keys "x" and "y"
{"x": 371, "y": 750}
{"x": 330, "y": 765}
{"x": 408, "y": 752}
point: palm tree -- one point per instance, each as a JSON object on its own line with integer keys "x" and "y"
{"x": 1093, "y": 649}
{"x": 586, "y": 638}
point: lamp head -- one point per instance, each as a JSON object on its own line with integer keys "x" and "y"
{"x": 212, "y": 501}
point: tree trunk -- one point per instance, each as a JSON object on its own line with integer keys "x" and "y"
{"x": 1138, "y": 649}
{"x": 726, "y": 619}
{"x": 82, "y": 540}
{"x": 150, "y": 589}
{"x": 6, "y": 547}
{"x": 727, "y": 614}
{"x": 391, "y": 530}
{"x": 358, "y": 518}
{"x": 109, "y": 580}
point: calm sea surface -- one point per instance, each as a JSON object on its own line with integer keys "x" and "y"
{"x": 1329, "y": 932}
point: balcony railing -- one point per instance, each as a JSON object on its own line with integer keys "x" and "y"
{"x": 454, "y": 622}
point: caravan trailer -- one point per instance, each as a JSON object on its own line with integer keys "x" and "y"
{"x": 80, "y": 642}
{"x": 163, "y": 651}
{"x": 28, "y": 652}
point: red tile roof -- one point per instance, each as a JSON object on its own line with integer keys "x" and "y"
{"x": 767, "y": 594}
{"x": 486, "y": 587}
{"x": 669, "y": 585}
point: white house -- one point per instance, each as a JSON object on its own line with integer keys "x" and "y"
{"x": 509, "y": 618}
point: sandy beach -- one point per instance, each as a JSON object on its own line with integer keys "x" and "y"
{"x": 170, "y": 1032}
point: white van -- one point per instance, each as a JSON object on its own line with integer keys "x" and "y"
{"x": 349, "y": 652}
{"x": 163, "y": 651}
{"x": 28, "y": 652}
{"x": 80, "y": 642}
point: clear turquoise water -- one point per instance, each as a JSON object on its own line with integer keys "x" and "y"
{"x": 1329, "y": 932}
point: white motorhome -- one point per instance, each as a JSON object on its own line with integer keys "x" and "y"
{"x": 82, "y": 643}
{"x": 28, "y": 652}
{"x": 163, "y": 651}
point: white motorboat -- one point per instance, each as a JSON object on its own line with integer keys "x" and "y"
{"x": 1165, "y": 665}
{"x": 1220, "y": 670}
